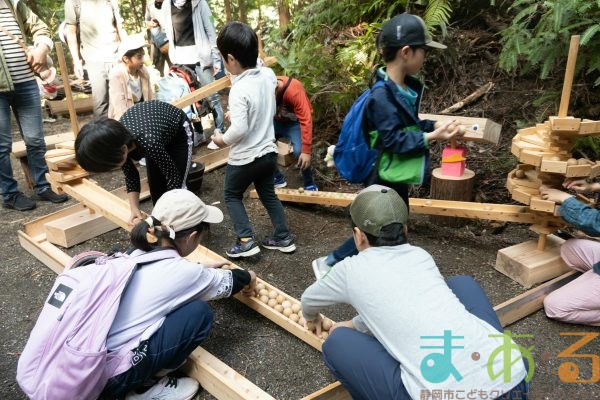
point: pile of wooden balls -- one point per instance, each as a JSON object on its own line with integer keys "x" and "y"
{"x": 290, "y": 308}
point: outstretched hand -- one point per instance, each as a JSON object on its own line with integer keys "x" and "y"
{"x": 555, "y": 195}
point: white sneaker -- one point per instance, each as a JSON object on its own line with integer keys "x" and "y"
{"x": 212, "y": 146}
{"x": 168, "y": 388}
{"x": 143, "y": 162}
{"x": 320, "y": 267}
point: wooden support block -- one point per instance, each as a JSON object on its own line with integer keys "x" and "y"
{"x": 544, "y": 229}
{"x": 60, "y": 107}
{"x": 531, "y": 157}
{"x": 555, "y": 167}
{"x": 68, "y": 175}
{"x": 578, "y": 170}
{"x": 65, "y": 162}
{"x": 589, "y": 127}
{"x": 538, "y": 204}
{"x": 44, "y": 251}
{"x": 565, "y": 124}
{"x": 335, "y": 391}
{"x": 58, "y": 152}
{"x": 532, "y": 300}
{"x": 77, "y": 228}
{"x": 527, "y": 265}
{"x": 219, "y": 379}
{"x": 521, "y": 196}
{"x": 477, "y": 129}
{"x": 19, "y": 150}
{"x": 535, "y": 140}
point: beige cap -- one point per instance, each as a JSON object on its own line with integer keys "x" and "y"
{"x": 181, "y": 209}
{"x": 131, "y": 42}
{"x": 377, "y": 206}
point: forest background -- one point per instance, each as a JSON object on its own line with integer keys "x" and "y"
{"x": 519, "y": 46}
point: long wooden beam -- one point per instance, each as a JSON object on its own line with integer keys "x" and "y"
{"x": 463, "y": 209}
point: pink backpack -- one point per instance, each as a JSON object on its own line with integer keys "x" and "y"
{"x": 66, "y": 356}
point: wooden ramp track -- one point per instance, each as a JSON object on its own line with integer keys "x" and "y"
{"x": 463, "y": 209}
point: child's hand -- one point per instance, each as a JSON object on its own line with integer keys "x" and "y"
{"x": 248, "y": 290}
{"x": 578, "y": 185}
{"x": 442, "y": 132}
{"x": 136, "y": 216}
{"x": 217, "y": 265}
{"x": 315, "y": 325}
{"x": 554, "y": 195}
{"x": 303, "y": 161}
{"x": 346, "y": 324}
{"x": 227, "y": 116}
{"x": 218, "y": 139}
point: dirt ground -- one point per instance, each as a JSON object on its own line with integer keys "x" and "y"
{"x": 267, "y": 355}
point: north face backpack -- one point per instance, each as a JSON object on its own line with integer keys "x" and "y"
{"x": 66, "y": 356}
{"x": 353, "y": 157}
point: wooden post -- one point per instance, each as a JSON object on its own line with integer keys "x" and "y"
{"x": 563, "y": 110}
{"x": 64, "y": 72}
{"x": 458, "y": 188}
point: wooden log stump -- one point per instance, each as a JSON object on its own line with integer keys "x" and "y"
{"x": 458, "y": 188}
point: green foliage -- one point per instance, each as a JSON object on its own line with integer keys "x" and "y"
{"x": 538, "y": 38}
{"x": 332, "y": 47}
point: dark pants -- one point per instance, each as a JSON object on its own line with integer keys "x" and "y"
{"x": 237, "y": 179}
{"x": 181, "y": 332}
{"x": 368, "y": 371}
{"x": 180, "y": 151}
{"x": 348, "y": 248}
{"x": 291, "y": 130}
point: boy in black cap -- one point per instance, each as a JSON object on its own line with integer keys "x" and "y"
{"x": 404, "y": 309}
{"x": 392, "y": 117}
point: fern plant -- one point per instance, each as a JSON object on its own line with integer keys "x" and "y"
{"x": 538, "y": 38}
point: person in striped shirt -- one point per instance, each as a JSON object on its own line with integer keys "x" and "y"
{"x": 19, "y": 92}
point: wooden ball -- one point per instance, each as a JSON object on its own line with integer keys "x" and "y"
{"x": 324, "y": 335}
{"x": 287, "y": 312}
{"x": 286, "y": 304}
{"x": 264, "y": 299}
{"x": 280, "y": 299}
{"x": 278, "y": 307}
{"x": 263, "y": 292}
{"x": 299, "y": 314}
{"x": 310, "y": 326}
{"x": 582, "y": 161}
{"x": 520, "y": 174}
{"x": 294, "y": 317}
{"x": 572, "y": 161}
{"x": 327, "y": 324}
{"x": 301, "y": 320}
{"x": 296, "y": 308}
{"x": 301, "y": 190}
{"x": 260, "y": 286}
{"x": 273, "y": 294}
{"x": 272, "y": 303}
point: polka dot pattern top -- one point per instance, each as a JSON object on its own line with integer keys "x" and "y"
{"x": 155, "y": 125}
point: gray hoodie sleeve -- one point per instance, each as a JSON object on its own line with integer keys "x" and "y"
{"x": 209, "y": 28}
{"x": 327, "y": 291}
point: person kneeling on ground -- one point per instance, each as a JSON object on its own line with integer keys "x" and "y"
{"x": 403, "y": 302}
{"x": 578, "y": 302}
{"x": 164, "y": 307}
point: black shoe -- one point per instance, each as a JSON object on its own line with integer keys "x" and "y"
{"x": 49, "y": 195}
{"x": 19, "y": 202}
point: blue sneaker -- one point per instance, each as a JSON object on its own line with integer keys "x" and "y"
{"x": 243, "y": 248}
{"x": 285, "y": 245}
{"x": 311, "y": 188}
{"x": 280, "y": 182}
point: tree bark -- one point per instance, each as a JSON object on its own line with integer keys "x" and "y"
{"x": 242, "y": 11}
{"x": 228, "y": 16}
{"x": 284, "y": 16}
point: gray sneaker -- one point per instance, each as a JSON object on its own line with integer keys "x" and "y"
{"x": 320, "y": 267}
{"x": 285, "y": 245}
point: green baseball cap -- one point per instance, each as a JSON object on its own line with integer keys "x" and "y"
{"x": 377, "y": 206}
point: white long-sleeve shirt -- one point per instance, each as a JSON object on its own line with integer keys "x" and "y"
{"x": 251, "y": 109}
{"x": 403, "y": 301}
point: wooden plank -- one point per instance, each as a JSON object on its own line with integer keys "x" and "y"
{"x": 531, "y": 157}
{"x": 65, "y": 161}
{"x": 334, "y": 391}
{"x": 563, "y": 108}
{"x": 19, "y": 149}
{"x": 531, "y": 301}
{"x": 220, "y": 380}
{"x": 214, "y": 159}
{"x": 58, "y": 152}
{"x": 202, "y": 93}
{"x": 566, "y": 124}
{"x": 44, "y": 251}
{"x": 68, "y": 175}
{"x": 463, "y": 209}
{"x": 477, "y": 129}
{"x": 589, "y": 127}
{"x": 554, "y": 166}
{"x": 64, "y": 71}
{"x": 69, "y": 144}
{"x": 538, "y": 204}
{"x": 82, "y": 105}
{"x": 527, "y": 265}
{"x": 578, "y": 170}
{"x": 77, "y": 228}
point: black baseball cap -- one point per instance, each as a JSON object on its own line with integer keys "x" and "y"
{"x": 406, "y": 30}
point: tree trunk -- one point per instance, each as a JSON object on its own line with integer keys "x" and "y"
{"x": 284, "y": 16}
{"x": 228, "y": 16}
{"x": 458, "y": 188}
{"x": 242, "y": 11}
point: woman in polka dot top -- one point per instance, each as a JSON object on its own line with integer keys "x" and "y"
{"x": 155, "y": 130}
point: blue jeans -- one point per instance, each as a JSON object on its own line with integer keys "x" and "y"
{"x": 368, "y": 371}
{"x": 25, "y": 104}
{"x": 238, "y": 178}
{"x": 205, "y": 76}
{"x": 181, "y": 332}
{"x": 348, "y": 248}
{"x": 291, "y": 130}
